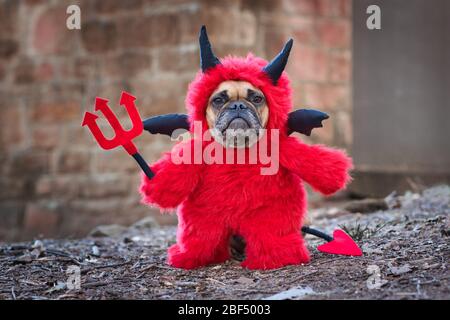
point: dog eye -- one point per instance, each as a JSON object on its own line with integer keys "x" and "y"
{"x": 218, "y": 101}
{"x": 257, "y": 99}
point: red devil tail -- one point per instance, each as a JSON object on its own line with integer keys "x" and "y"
{"x": 341, "y": 243}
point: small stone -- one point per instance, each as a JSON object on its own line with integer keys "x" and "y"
{"x": 396, "y": 271}
{"x": 95, "y": 251}
{"x": 38, "y": 244}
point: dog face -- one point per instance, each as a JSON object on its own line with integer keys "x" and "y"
{"x": 236, "y": 113}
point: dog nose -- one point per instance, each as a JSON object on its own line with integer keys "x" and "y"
{"x": 238, "y": 106}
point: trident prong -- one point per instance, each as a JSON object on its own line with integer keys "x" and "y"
{"x": 122, "y": 137}
{"x": 90, "y": 119}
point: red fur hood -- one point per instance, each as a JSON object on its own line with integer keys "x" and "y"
{"x": 245, "y": 69}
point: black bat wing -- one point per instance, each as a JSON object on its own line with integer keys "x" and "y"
{"x": 166, "y": 123}
{"x": 304, "y": 120}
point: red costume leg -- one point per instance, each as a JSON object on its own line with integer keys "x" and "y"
{"x": 269, "y": 245}
{"x": 199, "y": 245}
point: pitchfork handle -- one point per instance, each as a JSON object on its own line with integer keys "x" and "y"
{"x": 143, "y": 164}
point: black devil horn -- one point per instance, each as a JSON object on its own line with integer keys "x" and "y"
{"x": 207, "y": 57}
{"x": 275, "y": 68}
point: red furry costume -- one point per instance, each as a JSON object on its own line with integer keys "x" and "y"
{"x": 215, "y": 201}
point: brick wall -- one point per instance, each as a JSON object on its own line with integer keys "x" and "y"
{"x": 54, "y": 179}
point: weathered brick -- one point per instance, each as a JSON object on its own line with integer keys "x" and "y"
{"x": 148, "y": 31}
{"x": 246, "y": 35}
{"x": 165, "y": 30}
{"x": 327, "y": 97}
{"x": 43, "y": 186}
{"x": 274, "y": 41}
{"x": 162, "y": 105}
{"x": 85, "y": 67}
{"x": 12, "y": 188}
{"x": 66, "y": 187}
{"x": 104, "y": 186}
{"x": 110, "y": 91}
{"x": 12, "y": 132}
{"x": 305, "y": 34}
{"x": 24, "y": 72}
{"x": 301, "y": 7}
{"x": 99, "y": 36}
{"x": 113, "y": 6}
{"x": 62, "y": 187}
{"x": 30, "y": 162}
{"x": 309, "y": 63}
{"x": 94, "y": 212}
{"x": 266, "y": 5}
{"x": 334, "y": 8}
{"x": 46, "y": 137}
{"x": 189, "y": 30}
{"x": 126, "y": 64}
{"x": 2, "y": 71}
{"x": 133, "y": 31}
{"x": 44, "y": 72}
{"x": 178, "y": 60}
{"x": 340, "y": 66}
{"x": 11, "y": 215}
{"x": 334, "y": 33}
{"x": 50, "y": 35}
{"x": 298, "y": 94}
{"x": 34, "y": 2}
{"x": 72, "y": 161}
{"x": 55, "y": 111}
{"x": 40, "y": 219}
{"x": 151, "y": 95}
{"x": 76, "y": 136}
{"x": 114, "y": 161}
{"x": 346, "y": 8}
{"x": 224, "y": 50}
{"x": 8, "y": 17}
{"x": 90, "y": 213}
{"x": 8, "y": 48}
{"x": 220, "y": 30}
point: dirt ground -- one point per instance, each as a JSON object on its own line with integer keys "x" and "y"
{"x": 405, "y": 245}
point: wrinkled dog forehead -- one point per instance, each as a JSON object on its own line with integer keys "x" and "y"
{"x": 236, "y": 89}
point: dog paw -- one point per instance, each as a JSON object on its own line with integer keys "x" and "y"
{"x": 184, "y": 260}
{"x": 191, "y": 260}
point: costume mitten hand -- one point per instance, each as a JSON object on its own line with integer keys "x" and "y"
{"x": 325, "y": 169}
{"x": 172, "y": 183}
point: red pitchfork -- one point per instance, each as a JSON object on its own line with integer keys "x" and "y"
{"x": 122, "y": 137}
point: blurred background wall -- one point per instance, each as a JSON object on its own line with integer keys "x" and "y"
{"x": 401, "y": 96}
{"x": 54, "y": 179}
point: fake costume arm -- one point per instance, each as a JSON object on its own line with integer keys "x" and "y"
{"x": 325, "y": 169}
{"x": 171, "y": 184}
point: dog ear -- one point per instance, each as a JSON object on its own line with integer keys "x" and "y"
{"x": 275, "y": 68}
{"x": 207, "y": 58}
